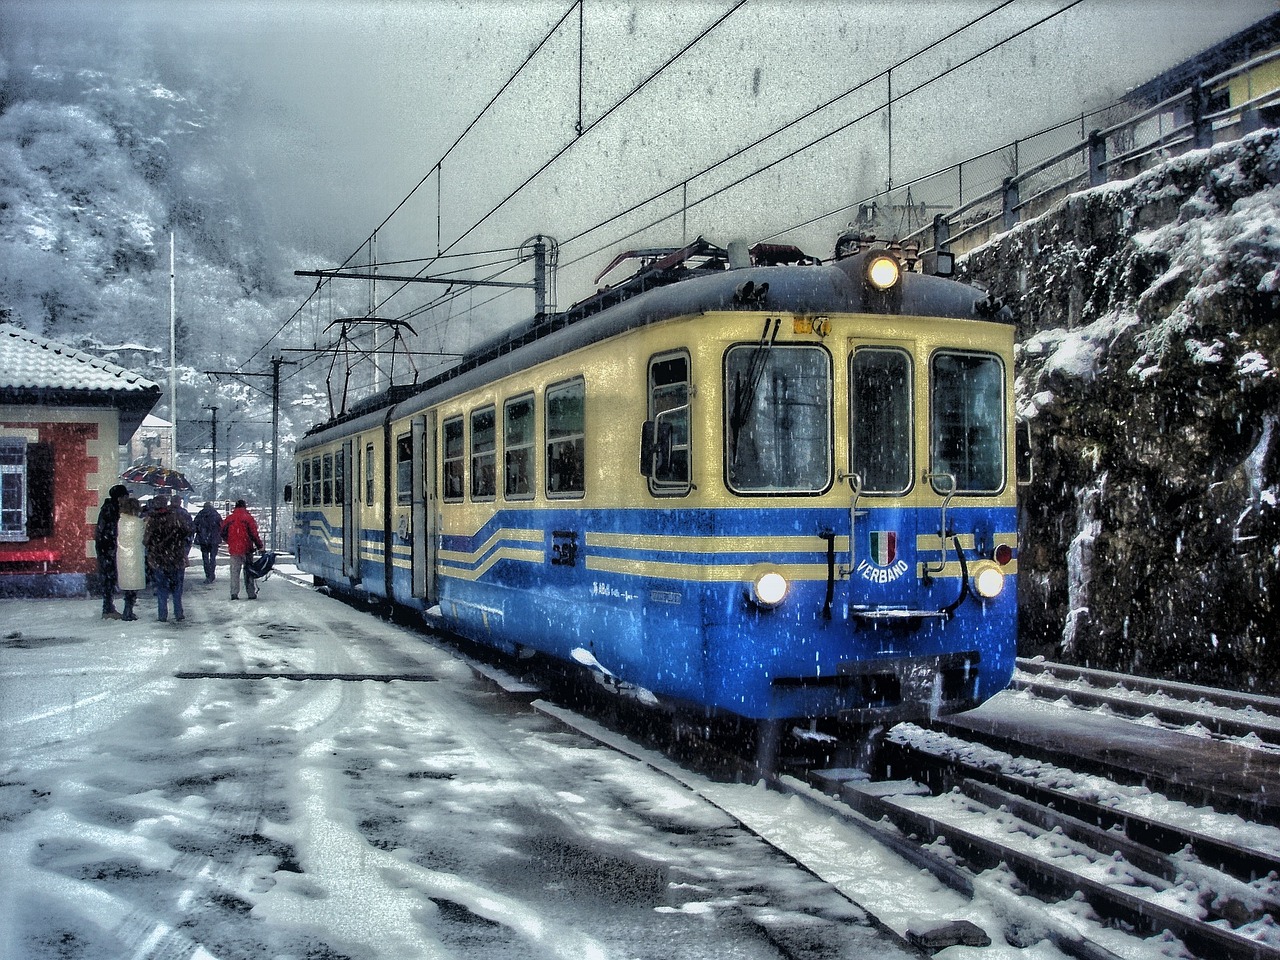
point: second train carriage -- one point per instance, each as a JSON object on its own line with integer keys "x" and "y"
{"x": 775, "y": 491}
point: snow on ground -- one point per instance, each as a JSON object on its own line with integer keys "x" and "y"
{"x": 146, "y": 814}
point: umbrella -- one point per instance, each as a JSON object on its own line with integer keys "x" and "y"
{"x": 156, "y": 476}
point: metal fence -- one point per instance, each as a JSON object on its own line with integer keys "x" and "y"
{"x": 965, "y": 205}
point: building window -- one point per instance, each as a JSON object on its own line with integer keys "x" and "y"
{"x": 453, "y": 460}
{"x": 517, "y": 447}
{"x": 26, "y": 489}
{"x": 13, "y": 488}
{"x": 566, "y": 439}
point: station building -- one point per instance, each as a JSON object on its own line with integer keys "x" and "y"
{"x": 64, "y": 417}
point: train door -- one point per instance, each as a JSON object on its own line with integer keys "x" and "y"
{"x": 882, "y": 479}
{"x": 424, "y": 507}
{"x": 350, "y": 513}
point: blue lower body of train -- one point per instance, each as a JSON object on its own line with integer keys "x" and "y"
{"x": 880, "y": 625}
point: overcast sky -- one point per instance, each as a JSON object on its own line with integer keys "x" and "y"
{"x": 347, "y": 105}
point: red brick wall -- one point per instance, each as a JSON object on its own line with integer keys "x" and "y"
{"x": 73, "y": 499}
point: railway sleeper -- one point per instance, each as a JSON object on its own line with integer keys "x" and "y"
{"x": 1047, "y": 881}
{"x": 1125, "y": 706}
{"x": 942, "y": 773}
{"x": 1223, "y": 906}
{"x": 1147, "y": 775}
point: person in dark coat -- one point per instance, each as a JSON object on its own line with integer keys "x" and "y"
{"x": 209, "y": 537}
{"x": 105, "y": 535}
{"x": 168, "y": 541}
{"x": 240, "y": 531}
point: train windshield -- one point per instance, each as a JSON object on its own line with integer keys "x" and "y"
{"x": 880, "y": 419}
{"x": 777, "y": 419}
{"x": 967, "y": 424}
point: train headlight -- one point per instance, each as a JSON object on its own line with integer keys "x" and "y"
{"x": 883, "y": 271}
{"x": 769, "y": 588}
{"x": 987, "y": 578}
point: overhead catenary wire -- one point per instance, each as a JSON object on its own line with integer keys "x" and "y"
{"x": 901, "y": 94}
{"x": 897, "y": 96}
{"x": 608, "y": 112}
{"x": 824, "y": 137}
{"x": 436, "y": 167}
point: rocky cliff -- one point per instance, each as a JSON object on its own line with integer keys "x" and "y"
{"x": 1149, "y": 343}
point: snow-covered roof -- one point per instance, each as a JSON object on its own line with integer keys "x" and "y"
{"x": 29, "y": 362}
{"x": 40, "y": 371}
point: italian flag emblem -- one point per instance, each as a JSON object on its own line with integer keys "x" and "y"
{"x": 884, "y": 547}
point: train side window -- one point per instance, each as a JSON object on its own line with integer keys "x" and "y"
{"x": 304, "y": 481}
{"x": 668, "y": 459}
{"x": 566, "y": 439}
{"x": 369, "y": 471}
{"x": 517, "y": 448}
{"x": 404, "y": 468}
{"x": 880, "y": 421}
{"x": 484, "y": 452}
{"x": 453, "y": 460}
{"x": 315, "y": 482}
{"x": 339, "y": 477}
{"x": 778, "y": 426}
{"x": 327, "y": 479}
{"x": 967, "y": 422}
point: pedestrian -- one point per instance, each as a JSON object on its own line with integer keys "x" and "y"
{"x": 104, "y": 544}
{"x": 168, "y": 541}
{"x": 209, "y": 537}
{"x": 131, "y": 554}
{"x": 240, "y": 531}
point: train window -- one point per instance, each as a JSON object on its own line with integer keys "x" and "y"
{"x": 669, "y": 409}
{"x": 517, "y": 447}
{"x": 315, "y": 482}
{"x": 778, "y": 432}
{"x": 327, "y": 475}
{"x": 484, "y": 452}
{"x": 880, "y": 422}
{"x": 369, "y": 467}
{"x": 453, "y": 460}
{"x": 967, "y": 426}
{"x": 566, "y": 439}
{"x": 404, "y": 468}
{"x": 304, "y": 482}
{"x": 339, "y": 477}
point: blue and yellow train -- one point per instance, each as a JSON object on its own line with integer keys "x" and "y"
{"x": 774, "y": 488}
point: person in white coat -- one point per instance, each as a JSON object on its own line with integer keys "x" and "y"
{"x": 131, "y": 568}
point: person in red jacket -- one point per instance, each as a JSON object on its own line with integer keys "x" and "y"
{"x": 240, "y": 531}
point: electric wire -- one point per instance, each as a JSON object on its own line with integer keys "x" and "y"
{"x": 437, "y": 166}
{"x": 449, "y": 297}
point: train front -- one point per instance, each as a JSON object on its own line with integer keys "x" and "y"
{"x": 861, "y": 549}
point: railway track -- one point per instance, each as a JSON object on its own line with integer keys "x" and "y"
{"x": 1036, "y": 831}
{"x": 1221, "y": 713}
{"x": 1063, "y": 863}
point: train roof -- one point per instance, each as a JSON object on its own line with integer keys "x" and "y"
{"x": 677, "y": 289}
